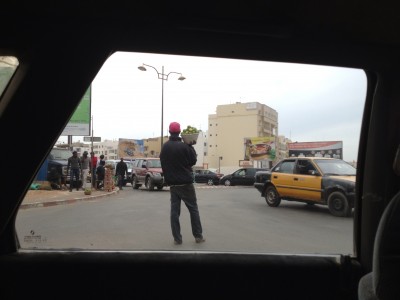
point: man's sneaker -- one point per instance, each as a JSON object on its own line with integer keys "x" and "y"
{"x": 177, "y": 242}
{"x": 200, "y": 240}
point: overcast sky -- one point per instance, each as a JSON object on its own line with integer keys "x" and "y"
{"x": 314, "y": 103}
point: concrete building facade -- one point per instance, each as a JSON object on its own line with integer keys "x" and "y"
{"x": 109, "y": 148}
{"x": 228, "y": 128}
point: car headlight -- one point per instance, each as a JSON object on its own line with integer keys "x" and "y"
{"x": 64, "y": 170}
{"x": 156, "y": 174}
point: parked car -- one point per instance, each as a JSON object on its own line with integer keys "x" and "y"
{"x": 313, "y": 180}
{"x": 54, "y": 168}
{"x": 56, "y": 165}
{"x": 242, "y": 176}
{"x": 207, "y": 176}
{"x": 147, "y": 171}
{"x": 57, "y": 161}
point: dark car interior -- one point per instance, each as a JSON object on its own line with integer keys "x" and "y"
{"x": 62, "y": 45}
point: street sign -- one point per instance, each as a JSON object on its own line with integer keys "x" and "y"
{"x": 89, "y": 139}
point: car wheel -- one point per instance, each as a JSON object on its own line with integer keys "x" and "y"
{"x": 210, "y": 182}
{"x": 338, "y": 205}
{"x": 149, "y": 184}
{"x": 272, "y": 197}
{"x": 159, "y": 187}
{"x": 227, "y": 182}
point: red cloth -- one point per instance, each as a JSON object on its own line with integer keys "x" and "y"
{"x": 94, "y": 162}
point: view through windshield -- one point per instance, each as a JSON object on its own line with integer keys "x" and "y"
{"x": 245, "y": 115}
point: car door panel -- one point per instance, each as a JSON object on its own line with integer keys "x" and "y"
{"x": 307, "y": 187}
{"x": 284, "y": 184}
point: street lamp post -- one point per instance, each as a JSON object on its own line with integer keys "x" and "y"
{"x": 163, "y": 77}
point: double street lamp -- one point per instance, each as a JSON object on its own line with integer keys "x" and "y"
{"x": 163, "y": 77}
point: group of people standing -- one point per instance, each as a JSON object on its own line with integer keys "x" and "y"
{"x": 79, "y": 168}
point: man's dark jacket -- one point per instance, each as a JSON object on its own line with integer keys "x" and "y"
{"x": 177, "y": 159}
{"x": 121, "y": 168}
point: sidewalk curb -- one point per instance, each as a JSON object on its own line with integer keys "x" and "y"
{"x": 67, "y": 201}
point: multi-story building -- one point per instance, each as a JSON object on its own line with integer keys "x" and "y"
{"x": 152, "y": 146}
{"x": 229, "y": 128}
{"x": 283, "y": 150}
{"x": 109, "y": 148}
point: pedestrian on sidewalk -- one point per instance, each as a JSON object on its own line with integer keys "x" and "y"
{"x": 93, "y": 160}
{"x": 86, "y": 166}
{"x": 100, "y": 172}
{"x": 177, "y": 159}
{"x": 74, "y": 166}
{"x": 121, "y": 171}
{"x": 101, "y": 159}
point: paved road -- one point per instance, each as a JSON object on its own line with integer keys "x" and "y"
{"x": 234, "y": 219}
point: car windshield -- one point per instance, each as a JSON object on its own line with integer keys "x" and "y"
{"x": 154, "y": 163}
{"x": 335, "y": 167}
{"x": 60, "y": 154}
{"x": 250, "y": 115}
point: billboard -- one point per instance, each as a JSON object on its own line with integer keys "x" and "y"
{"x": 333, "y": 149}
{"x": 259, "y": 148}
{"x": 79, "y": 124}
{"x": 130, "y": 148}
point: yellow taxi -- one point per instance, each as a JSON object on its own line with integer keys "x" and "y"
{"x": 312, "y": 180}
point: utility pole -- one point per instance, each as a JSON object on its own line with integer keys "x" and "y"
{"x": 92, "y": 135}
{"x": 70, "y": 142}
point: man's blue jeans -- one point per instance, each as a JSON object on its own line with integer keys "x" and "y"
{"x": 187, "y": 194}
{"x": 74, "y": 173}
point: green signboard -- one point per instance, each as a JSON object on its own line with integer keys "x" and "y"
{"x": 79, "y": 124}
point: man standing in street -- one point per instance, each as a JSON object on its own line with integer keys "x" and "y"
{"x": 177, "y": 160}
{"x": 74, "y": 164}
{"x": 86, "y": 166}
{"x": 93, "y": 160}
{"x": 121, "y": 170}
